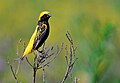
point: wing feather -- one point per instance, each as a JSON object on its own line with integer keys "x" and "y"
{"x": 40, "y": 35}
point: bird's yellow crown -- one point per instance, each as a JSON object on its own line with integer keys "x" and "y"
{"x": 42, "y": 13}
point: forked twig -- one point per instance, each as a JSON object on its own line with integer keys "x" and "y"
{"x": 72, "y": 59}
{"x": 13, "y": 73}
{"x": 29, "y": 62}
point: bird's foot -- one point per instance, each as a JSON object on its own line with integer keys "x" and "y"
{"x": 39, "y": 51}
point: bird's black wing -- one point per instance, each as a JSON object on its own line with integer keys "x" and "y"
{"x": 39, "y": 39}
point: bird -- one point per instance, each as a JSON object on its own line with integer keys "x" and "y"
{"x": 40, "y": 34}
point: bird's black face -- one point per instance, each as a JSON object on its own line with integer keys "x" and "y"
{"x": 45, "y": 17}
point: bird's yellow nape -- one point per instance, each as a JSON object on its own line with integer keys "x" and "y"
{"x": 42, "y": 13}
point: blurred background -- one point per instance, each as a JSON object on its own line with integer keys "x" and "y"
{"x": 93, "y": 24}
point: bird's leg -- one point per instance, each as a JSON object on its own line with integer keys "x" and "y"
{"x": 39, "y": 53}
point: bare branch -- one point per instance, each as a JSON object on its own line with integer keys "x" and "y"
{"x": 13, "y": 73}
{"x": 71, "y": 60}
{"x": 24, "y": 46}
{"x": 76, "y": 80}
{"x": 17, "y": 53}
{"x": 43, "y": 75}
{"x": 34, "y": 74}
{"x": 35, "y": 68}
{"x": 71, "y": 41}
{"x": 29, "y": 62}
{"x": 66, "y": 48}
{"x": 17, "y": 70}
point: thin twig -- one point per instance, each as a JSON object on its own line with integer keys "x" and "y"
{"x": 71, "y": 41}
{"x": 16, "y": 72}
{"x": 13, "y": 73}
{"x": 69, "y": 68}
{"x": 17, "y": 53}
{"x": 76, "y": 80}
{"x": 34, "y": 69}
{"x": 66, "y": 49}
{"x": 43, "y": 75}
{"x": 34, "y": 75}
{"x": 29, "y": 62}
{"x": 19, "y": 61}
{"x": 24, "y": 46}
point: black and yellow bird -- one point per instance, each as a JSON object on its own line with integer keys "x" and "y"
{"x": 40, "y": 34}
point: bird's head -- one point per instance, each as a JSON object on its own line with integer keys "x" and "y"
{"x": 45, "y": 15}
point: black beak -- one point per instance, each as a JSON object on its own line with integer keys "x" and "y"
{"x": 49, "y": 15}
